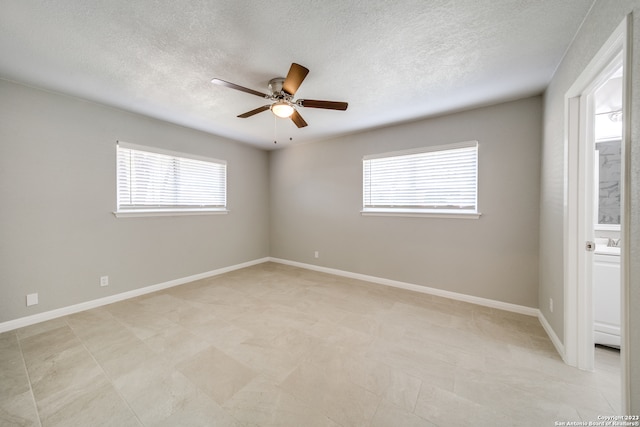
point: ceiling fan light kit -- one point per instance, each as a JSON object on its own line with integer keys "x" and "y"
{"x": 282, "y": 109}
{"x": 281, "y": 92}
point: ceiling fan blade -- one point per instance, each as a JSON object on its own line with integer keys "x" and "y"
{"x": 253, "y": 112}
{"x": 296, "y": 75}
{"x": 240, "y": 88}
{"x": 298, "y": 120}
{"x": 328, "y": 105}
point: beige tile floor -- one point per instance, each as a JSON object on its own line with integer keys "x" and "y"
{"x": 274, "y": 345}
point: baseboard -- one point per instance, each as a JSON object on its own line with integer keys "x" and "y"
{"x": 552, "y": 335}
{"x": 529, "y": 311}
{"x": 65, "y": 311}
{"x": 515, "y": 308}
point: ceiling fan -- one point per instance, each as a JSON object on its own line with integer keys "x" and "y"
{"x": 281, "y": 92}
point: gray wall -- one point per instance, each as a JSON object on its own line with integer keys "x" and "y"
{"x": 599, "y": 25}
{"x": 57, "y": 192}
{"x": 316, "y": 197}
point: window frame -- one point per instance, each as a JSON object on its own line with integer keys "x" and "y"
{"x": 422, "y": 212}
{"x": 168, "y": 210}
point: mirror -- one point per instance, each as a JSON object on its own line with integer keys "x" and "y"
{"x": 608, "y": 169}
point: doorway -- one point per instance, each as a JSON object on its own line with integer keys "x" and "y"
{"x": 582, "y": 207}
{"x": 606, "y": 283}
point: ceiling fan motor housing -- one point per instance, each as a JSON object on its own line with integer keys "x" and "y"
{"x": 275, "y": 87}
{"x": 283, "y": 106}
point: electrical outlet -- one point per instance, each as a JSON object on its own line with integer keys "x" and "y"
{"x": 32, "y": 299}
{"x": 551, "y": 305}
{"x": 104, "y": 281}
{"x": 316, "y": 254}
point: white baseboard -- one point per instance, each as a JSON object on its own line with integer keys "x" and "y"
{"x": 529, "y": 311}
{"x": 65, "y": 311}
{"x": 552, "y": 335}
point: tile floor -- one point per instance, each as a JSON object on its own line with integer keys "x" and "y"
{"x": 273, "y": 345}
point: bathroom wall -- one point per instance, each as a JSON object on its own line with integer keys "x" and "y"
{"x": 608, "y": 135}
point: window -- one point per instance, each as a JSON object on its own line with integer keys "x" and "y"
{"x": 439, "y": 181}
{"x": 156, "y": 182}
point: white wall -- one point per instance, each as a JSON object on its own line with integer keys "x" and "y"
{"x": 57, "y": 192}
{"x": 603, "y": 19}
{"x": 316, "y": 197}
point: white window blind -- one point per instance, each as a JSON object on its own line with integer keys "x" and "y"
{"x": 153, "y": 180}
{"x": 432, "y": 179}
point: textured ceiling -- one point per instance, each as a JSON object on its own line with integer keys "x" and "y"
{"x": 392, "y": 61}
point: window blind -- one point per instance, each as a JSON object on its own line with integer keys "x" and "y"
{"x": 440, "y": 178}
{"x": 150, "y": 180}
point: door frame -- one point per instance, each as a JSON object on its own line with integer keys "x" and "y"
{"x": 578, "y": 218}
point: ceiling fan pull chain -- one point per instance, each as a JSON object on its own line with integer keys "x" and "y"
{"x": 275, "y": 130}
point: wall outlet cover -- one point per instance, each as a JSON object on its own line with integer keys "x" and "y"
{"x": 32, "y": 299}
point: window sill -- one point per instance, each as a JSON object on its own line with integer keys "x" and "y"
{"x": 421, "y": 213}
{"x": 143, "y": 213}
